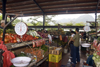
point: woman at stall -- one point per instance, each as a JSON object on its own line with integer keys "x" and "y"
{"x": 71, "y": 43}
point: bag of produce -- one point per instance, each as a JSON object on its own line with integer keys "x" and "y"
{"x": 95, "y": 43}
{"x": 7, "y": 55}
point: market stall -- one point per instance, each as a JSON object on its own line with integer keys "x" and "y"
{"x": 33, "y": 7}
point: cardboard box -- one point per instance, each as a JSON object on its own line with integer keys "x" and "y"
{"x": 55, "y": 50}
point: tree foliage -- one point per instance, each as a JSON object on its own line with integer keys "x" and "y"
{"x": 98, "y": 20}
{"x": 36, "y": 22}
{"x": 80, "y": 24}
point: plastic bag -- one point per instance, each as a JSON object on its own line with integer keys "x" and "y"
{"x": 7, "y": 56}
{"x": 2, "y": 46}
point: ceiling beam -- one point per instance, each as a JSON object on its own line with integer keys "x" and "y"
{"x": 72, "y": 8}
{"x": 39, "y": 6}
{"x": 20, "y": 3}
{"x": 23, "y": 9}
{"x": 57, "y": 9}
{"x": 43, "y": 4}
{"x": 65, "y": 2}
{"x": 53, "y": 10}
{"x": 69, "y": 5}
{"x": 57, "y": 26}
{"x": 32, "y": 11}
{"x": 49, "y": 7}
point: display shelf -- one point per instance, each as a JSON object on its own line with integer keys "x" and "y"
{"x": 33, "y": 64}
{"x": 18, "y": 45}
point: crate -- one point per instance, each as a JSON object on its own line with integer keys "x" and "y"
{"x": 55, "y": 50}
{"x": 55, "y": 58}
{"x": 52, "y": 64}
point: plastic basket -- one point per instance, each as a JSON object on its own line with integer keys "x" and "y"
{"x": 55, "y": 58}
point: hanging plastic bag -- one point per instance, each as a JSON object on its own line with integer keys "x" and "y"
{"x": 7, "y": 56}
{"x": 50, "y": 38}
{"x": 60, "y": 37}
{"x": 2, "y": 46}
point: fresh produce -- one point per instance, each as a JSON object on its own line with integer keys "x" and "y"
{"x": 33, "y": 33}
{"x": 44, "y": 47}
{"x": 95, "y": 43}
{"x": 98, "y": 39}
{"x": 21, "y": 54}
{"x": 36, "y": 52}
{"x": 96, "y": 59}
{"x": 14, "y": 38}
{"x": 38, "y": 43}
{"x": 43, "y": 35}
{"x": 12, "y": 66}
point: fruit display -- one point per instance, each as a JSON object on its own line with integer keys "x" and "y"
{"x": 38, "y": 43}
{"x": 96, "y": 54}
{"x": 95, "y": 43}
{"x": 36, "y": 52}
{"x": 96, "y": 59}
{"x": 43, "y": 35}
{"x": 14, "y": 38}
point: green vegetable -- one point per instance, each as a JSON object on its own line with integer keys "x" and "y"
{"x": 12, "y": 66}
{"x": 21, "y": 54}
{"x": 44, "y": 47}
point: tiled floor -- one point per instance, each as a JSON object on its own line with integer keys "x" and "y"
{"x": 66, "y": 57}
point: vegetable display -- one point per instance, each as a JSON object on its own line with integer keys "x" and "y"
{"x": 33, "y": 33}
{"x": 14, "y": 38}
{"x": 44, "y": 47}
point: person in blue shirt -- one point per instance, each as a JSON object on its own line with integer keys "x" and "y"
{"x": 89, "y": 61}
{"x": 2, "y": 24}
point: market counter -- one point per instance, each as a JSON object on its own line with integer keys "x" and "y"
{"x": 38, "y": 63}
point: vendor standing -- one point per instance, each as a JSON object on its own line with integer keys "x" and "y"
{"x": 2, "y": 24}
{"x": 76, "y": 56}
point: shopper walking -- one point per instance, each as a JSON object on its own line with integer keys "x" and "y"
{"x": 76, "y": 38}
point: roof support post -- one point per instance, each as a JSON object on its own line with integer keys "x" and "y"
{"x": 43, "y": 21}
{"x": 96, "y": 16}
{"x": 96, "y": 11}
{"x": 10, "y": 17}
{"x": 42, "y": 12}
{"x": 3, "y": 9}
{"x": 3, "y": 16}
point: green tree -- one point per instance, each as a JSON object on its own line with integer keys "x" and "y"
{"x": 34, "y": 20}
{"x": 80, "y": 24}
{"x": 69, "y": 24}
{"x": 16, "y": 21}
{"x": 98, "y": 20}
{"x": 0, "y": 17}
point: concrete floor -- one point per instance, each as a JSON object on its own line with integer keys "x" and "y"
{"x": 82, "y": 58}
